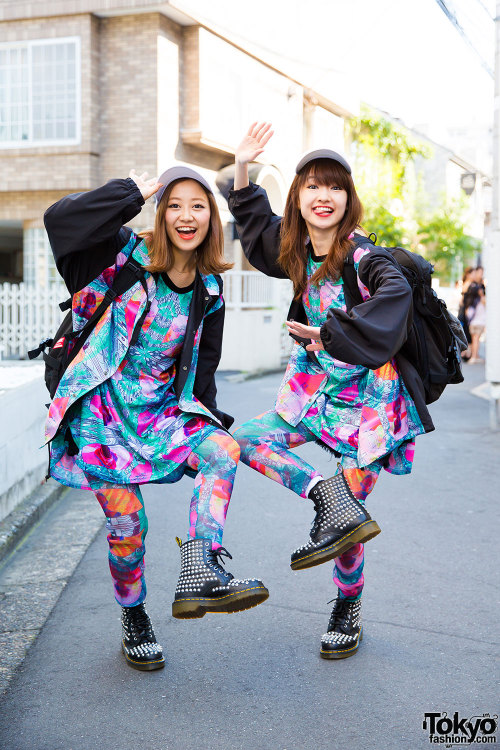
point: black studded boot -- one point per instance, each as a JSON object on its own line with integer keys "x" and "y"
{"x": 139, "y": 644}
{"x": 345, "y": 631}
{"x": 204, "y": 586}
{"x": 340, "y": 522}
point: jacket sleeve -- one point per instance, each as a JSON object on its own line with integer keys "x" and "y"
{"x": 208, "y": 360}
{"x": 86, "y": 229}
{"x": 258, "y": 228}
{"x": 371, "y": 333}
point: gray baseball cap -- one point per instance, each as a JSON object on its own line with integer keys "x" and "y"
{"x": 322, "y": 153}
{"x": 179, "y": 173}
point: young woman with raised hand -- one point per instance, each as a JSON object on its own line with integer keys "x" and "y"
{"x": 138, "y": 402}
{"x": 342, "y": 388}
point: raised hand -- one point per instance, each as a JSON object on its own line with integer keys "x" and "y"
{"x": 147, "y": 187}
{"x": 250, "y": 147}
{"x": 254, "y": 142}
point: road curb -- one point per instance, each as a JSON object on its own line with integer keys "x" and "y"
{"x": 21, "y": 520}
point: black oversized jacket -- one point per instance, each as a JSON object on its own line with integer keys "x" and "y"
{"x": 372, "y": 332}
{"x": 86, "y": 233}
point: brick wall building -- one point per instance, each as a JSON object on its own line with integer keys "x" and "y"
{"x": 91, "y": 88}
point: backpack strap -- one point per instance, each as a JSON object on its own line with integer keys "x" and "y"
{"x": 349, "y": 276}
{"x": 127, "y": 276}
{"x": 350, "y": 280}
{"x": 138, "y": 272}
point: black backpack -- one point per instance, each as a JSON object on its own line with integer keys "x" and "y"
{"x": 66, "y": 343}
{"x": 435, "y": 337}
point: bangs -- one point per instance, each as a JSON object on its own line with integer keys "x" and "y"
{"x": 293, "y": 232}
{"x": 209, "y": 255}
{"x": 163, "y": 204}
{"x": 326, "y": 172}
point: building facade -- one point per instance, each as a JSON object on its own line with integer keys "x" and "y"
{"x": 92, "y": 88}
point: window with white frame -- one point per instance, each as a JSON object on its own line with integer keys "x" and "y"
{"x": 40, "y": 92}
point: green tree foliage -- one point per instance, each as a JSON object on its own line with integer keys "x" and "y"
{"x": 384, "y": 155}
{"x": 383, "y": 151}
{"x": 384, "y": 224}
{"x": 446, "y": 243}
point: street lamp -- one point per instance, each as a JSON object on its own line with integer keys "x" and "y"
{"x": 468, "y": 182}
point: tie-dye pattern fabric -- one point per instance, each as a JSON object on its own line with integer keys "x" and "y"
{"x": 364, "y": 414}
{"x": 127, "y": 526}
{"x": 104, "y": 351}
{"x": 348, "y": 571}
{"x": 266, "y": 442}
{"x": 215, "y": 461}
{"x": 130, "y": 427}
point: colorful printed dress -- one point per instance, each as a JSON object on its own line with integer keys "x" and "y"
{"x": 129, "y": 429}
{"x": 358, "y": 405}
{"x": 362, "y": 413}
{"x": 130, "y": 413}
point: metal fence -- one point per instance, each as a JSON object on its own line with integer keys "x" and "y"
{"x": 28, "y": 315}
{"x": 251, "y": 290}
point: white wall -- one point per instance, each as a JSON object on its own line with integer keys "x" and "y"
{"x": 236, "y": 89}
{"x": 252, "y": 340}
{"x": 22, "y": 462}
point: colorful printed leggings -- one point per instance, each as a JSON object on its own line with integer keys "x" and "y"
{"x": 265, "y": 443}
{"x": 215, "y": 460}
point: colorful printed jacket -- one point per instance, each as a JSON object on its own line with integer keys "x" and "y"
{"x": 86, "y": 233}
{"x": 372, "y": 332}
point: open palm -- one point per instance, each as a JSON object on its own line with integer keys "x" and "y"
{"x": 254, "y": 142}
{"x": 147, "y": 187}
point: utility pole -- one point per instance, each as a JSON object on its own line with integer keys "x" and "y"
{"x": 493, "y": 254}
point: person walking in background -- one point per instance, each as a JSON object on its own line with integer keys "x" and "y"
{"x": 475, "y": 312}
{"x": 342, "y": 388}
{"x": 138, "y": 402}
{"x": 467, "y": 278}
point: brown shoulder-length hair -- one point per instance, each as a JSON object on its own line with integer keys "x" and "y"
{"x": 293, "y": 253}
{"x": 209, "y": 255}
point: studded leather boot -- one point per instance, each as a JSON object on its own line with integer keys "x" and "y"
{"x": 204, "y": 586}
{"x": 344, "y": 630}
{"x": 340, "y": 522}
{"x": 139, "y": 644}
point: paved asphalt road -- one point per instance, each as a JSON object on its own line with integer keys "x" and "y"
{"x": 254, "y": 680}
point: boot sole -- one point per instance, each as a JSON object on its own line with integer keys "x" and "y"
{"x": 148, "y": 666}
{"x": 326, "y": 654}
{"x": 190, "y": 609}
{"x": 359, "y": 535}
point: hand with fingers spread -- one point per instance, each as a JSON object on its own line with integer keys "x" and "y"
{"x": 306, "y": 332}
{"x": 147, "y": 187}
{"x": 254, "y": 142}
{"x": 250, "y": 147}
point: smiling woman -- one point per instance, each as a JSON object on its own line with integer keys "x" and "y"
{"x": 138, "y": 402}
{"x": 188, "y": 232}
{"x": 187, "y": 216}
{"x": 342, "y": 388}
{"x": 322, "y": 207}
